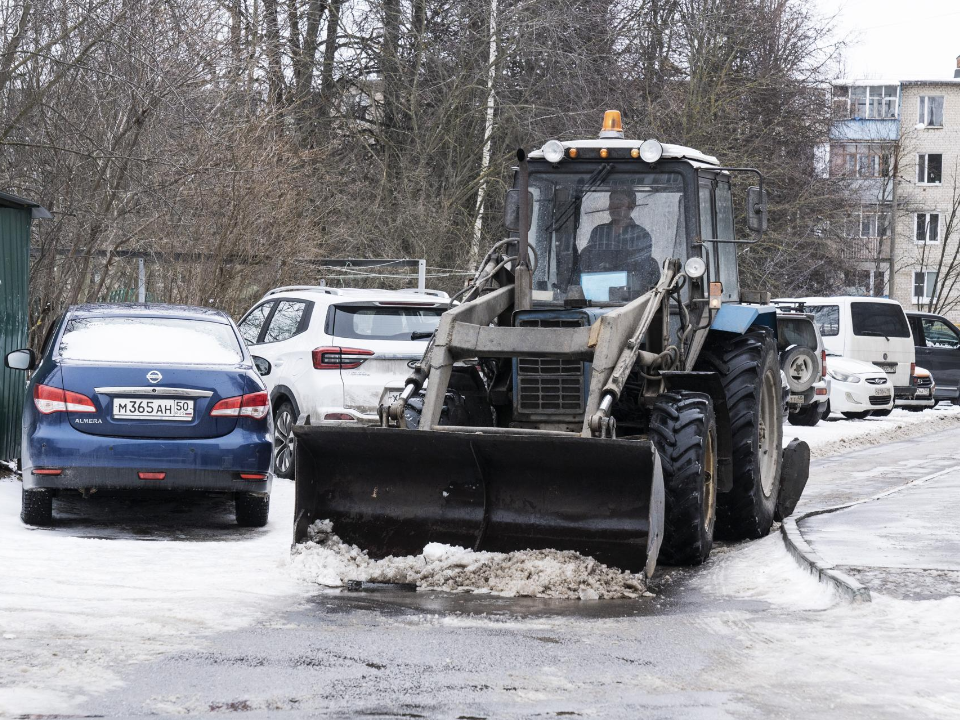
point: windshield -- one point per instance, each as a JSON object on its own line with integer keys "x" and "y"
{"x": 150, "y": 340}
{"x": 604, "y": 234}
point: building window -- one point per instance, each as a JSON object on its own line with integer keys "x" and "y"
{"x": 924, "y": 286}
{"x": 872, "y": 222}
{"x": 873, "y": 102}
{"x": 928, "y": 228}
{"x": 864, "y": 160}
{"x": 931, "y": 110}
{"x": 929, "y": 169}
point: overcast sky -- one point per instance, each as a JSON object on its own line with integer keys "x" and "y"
{"x": 897, "y": 39}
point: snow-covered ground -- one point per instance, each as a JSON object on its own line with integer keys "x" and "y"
{"x": 113, "y": 585}
{"x": 838, "y": 435}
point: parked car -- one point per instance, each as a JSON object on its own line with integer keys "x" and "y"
{"x": 144, "y": 396}
{"x": 937, "y": 342}
{"x": 873, "y": 330}
{"x": 333, "y": 351}
{"x": 926, "y": 389}
{"x": 803, "y": 361}
{"x": 858, "y": 389}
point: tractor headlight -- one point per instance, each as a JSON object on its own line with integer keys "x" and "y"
{"x": 843, "y": 377}
{"x": 695, "y": 267}
{"x": 553, "y": 151}
{"x": 651, "y": 151}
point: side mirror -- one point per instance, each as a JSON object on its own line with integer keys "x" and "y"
{"x": 262, "y": 365}
{"x": 511, "y": 210}
{"x": 756, "y": 209}
{"x": 21, "y": 360}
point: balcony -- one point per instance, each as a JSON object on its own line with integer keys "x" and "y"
{"x": 865, "y": 249}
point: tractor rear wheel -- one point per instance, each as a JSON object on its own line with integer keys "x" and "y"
{"x": 750, "y": 375}
{"x": 684, "y": 431}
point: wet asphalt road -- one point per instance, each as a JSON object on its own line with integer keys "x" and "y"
{"x": 697, "y": 650}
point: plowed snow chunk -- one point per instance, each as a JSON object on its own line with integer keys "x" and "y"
{"x": 326, "y": 560}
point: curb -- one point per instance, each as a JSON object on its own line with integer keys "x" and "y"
{"x": 825, "y": 572}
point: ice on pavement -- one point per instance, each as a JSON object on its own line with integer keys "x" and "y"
{"x": 326, "y": 560}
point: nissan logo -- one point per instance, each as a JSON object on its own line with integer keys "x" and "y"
{"x": 154, "y": 377}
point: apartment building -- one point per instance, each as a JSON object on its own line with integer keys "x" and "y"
{"x": 926, "y": 257}
{"x": 863, "y": 141}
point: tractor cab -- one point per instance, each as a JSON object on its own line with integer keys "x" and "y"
{"x": 605, "y": 214}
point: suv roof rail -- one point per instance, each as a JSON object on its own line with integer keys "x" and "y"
{"x": 347, "y": 291}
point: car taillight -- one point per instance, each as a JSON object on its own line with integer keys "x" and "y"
{"x": 255, "y": 405}
{"x": 340, "y": 358}
{"x": 913, "y": 368}
{"x": 823, "y": 364}
{"x": 52, "y": 400}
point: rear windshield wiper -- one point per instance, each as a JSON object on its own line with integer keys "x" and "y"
{"x": 874, "y": 333}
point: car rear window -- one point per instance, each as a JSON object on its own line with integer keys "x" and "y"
{"x": 365, "y": 322}
{"x": 827, "y": 318}
{"x": 796, "y": 331}
{"x": 150, "y": 340}
{"x": 879, "y": 320}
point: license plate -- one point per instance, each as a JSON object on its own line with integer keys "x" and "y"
{"x": 796, "y": 399}
{"x": 923, "y": 392}
{"x": 390, "y": 395}
{"x": 152, "y": 409}
{"x": 881, "y": 393}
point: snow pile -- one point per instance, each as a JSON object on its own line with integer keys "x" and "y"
{"x": 326, "y": 560}
{"x": 836, "y": 436}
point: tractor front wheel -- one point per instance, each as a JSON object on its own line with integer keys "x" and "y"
{"x": 684, "y": 431}
{"x": 750, "y": 374}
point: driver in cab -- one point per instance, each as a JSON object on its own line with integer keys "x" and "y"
{"x": 621, "y": 244}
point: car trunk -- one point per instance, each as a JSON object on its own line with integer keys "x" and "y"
{"x": 387, "y": 368}
{"x": 178, "y": 403}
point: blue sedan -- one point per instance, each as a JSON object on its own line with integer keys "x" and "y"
{"x": 145, "y": 396}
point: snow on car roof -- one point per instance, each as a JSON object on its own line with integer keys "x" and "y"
{"x": 151, "y": 310}
{"x": 430, "y": 297}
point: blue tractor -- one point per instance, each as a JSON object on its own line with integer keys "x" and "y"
{"x": 602, "y": 385}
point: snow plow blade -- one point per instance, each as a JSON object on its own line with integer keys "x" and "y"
{"x": 390, "y": 492}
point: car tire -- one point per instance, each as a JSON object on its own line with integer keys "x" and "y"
{"x": 807, "y": 416}
{"x": 252, "y": 509}
{"x": 750, "y": 374}
{"x": 883, "y": 413}
{"x": 683, "y": 428}
{"x": 856, "y": 415}
{"x": 36, "y": 507}
{"x": 284, "y": 443}
{"x": 801, "y": 367}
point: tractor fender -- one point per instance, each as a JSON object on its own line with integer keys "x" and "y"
{"x": 737, "y": 319}
{"x": 709, "y": 384}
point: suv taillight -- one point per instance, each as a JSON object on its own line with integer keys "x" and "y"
{"x": 913, "y": 369}
{"x": 340, "y": 358}
{"x": 52, "y": 400}
{"x": 255, "y": 405}
{"x": 823, "y": 364}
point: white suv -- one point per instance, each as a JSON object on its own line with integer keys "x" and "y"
{"x": 332, "y": 351}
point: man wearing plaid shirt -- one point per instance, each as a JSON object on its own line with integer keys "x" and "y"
{"x": 622, "y": 244}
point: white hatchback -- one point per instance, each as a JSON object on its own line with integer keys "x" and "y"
{"x": 858, "y": 389}
{"x": 333, "y": 351}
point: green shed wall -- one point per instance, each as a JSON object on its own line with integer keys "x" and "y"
{"x": 14, "y": 276}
